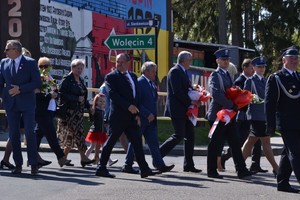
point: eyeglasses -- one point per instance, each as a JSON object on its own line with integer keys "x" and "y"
{"x": 43, "y": 66}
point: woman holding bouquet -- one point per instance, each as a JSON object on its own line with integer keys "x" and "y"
{"x": 45, "y": 110}
{"x": 256, "y": 113}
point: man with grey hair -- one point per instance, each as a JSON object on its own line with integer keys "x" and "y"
{"x": 178, "y": 101}
{"x": 148, "y": 113}
{"x": 19, "y": 77}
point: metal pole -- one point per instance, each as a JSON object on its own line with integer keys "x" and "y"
{"x": 156, "y": 46}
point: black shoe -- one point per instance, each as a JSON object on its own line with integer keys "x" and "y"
{"x": 84, "y": 163}
{"x": 104, "y": 173}
{"x": 149, "y": 172}
{"x": 68, "y": 163}
{"x": 43, "y": 164}
{"x": 129, "y": 170}
{"x": 223, "y": 160}
{"x": 193, "y": 169}
{"x": 6, "y": 164}
{"x": 214, "y": 175}
{"x": 34, "y": 170}
{"x": 257, "y": 169}
{"x": 166, "y": 168}
{"x": 17, "y": 170}
{"x": 288, "y": 189}
{"x": 245, "y": 174}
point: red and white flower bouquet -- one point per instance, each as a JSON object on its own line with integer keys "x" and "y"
{"x": 198, "y": 93}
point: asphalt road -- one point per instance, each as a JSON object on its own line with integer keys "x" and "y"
{"x": 77, "y": 183}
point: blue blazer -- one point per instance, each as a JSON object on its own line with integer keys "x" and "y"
{"x": 217, "y": 88}
{"x": 27, "y": 78}
{"x": 148, "y": 99}
{"x": 281, "y": 110}
{"x": 177, "y": 88}
{"x": 121, "y": 96}
{"x": 256, "y": 111}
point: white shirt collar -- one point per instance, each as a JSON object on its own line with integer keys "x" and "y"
{"x": 290, "y": 71}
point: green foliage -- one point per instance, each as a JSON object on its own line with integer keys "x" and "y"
{"x": 165, "y": 130}
{"x": 268, "y": 26}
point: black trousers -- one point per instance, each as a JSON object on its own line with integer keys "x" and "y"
{"x": 45, "y": 127}
{"x": 243, "y": 127}
{"x": 290, "y": 158}
{"x": 132, "y": 131}
{"x": 221, "y": 134}
{"x": 184, "y": 129}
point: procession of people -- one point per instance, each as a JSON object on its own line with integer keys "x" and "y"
{"x": 31, "y": 95}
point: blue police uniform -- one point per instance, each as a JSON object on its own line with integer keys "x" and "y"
{"x": 219, "y": 80}
{"x": 282, "y": 105}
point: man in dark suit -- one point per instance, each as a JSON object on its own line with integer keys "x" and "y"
{"x": 282, "y": 105}
{"x": 243, "y": 125}
{"x": 19, "y": 77}
{"x": 219, "y": 80}
{"x": 124, "y": 115}
{"x": 148, "y": 114}
{"x": 178, "y": 101}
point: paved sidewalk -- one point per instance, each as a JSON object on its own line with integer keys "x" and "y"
{"x": 276, "y": 142}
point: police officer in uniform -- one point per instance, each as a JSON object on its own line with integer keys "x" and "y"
{"x": 219, "y": 80}
{"x": 282, "y": 105}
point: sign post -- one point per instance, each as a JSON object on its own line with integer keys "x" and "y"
{"x": 140, "y": 23}
{"x": 130, "y": 42}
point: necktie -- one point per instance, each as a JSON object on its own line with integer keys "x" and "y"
{"x": 295, "y": 76}
{"x": 152, "y": 87}
{"x": 229, "y": 77}
{"x": 13, "y": 68}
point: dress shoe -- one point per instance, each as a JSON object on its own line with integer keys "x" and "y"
{"x": 17, "y": 170}
{"x": 69, "y": 164}
{"x": 214, "y": 175}
{"x": 149, "y": 172}
{"x": 129, "y": 169}
{"x": 84, "y": 163}
{"x": 193, "y": 169}
{"x": 245, "y": 174}
{"x": 287, "y": 189}
{"x": 275, "y": 173}
{"x": 62, "y": 161}
{"x": 43, "y": 163}
{"x": 104, "y": 173}
{"x": 257, "y": 169}
{"x": 166, "y": 168}
{"x": 34, "y": 170}
{"x": 112, "y": 162}
{"x": 6, "y": 164}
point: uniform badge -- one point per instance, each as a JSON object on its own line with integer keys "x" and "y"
{"x": 290, "y": 90}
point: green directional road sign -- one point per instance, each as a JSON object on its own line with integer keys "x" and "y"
{"x": 130, "y": 42}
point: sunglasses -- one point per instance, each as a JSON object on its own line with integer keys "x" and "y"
{"x": 44, "y": 66}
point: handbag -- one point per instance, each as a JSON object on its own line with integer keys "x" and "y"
{"x": 61, "y": 111}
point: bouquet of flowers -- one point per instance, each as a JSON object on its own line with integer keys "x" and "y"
{"x": 197, "y": 93}
{"x": 240, "y": 98}
{"x": 48, "y": 83}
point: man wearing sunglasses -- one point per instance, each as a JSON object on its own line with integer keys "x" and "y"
{"x": 19, "y": 77}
